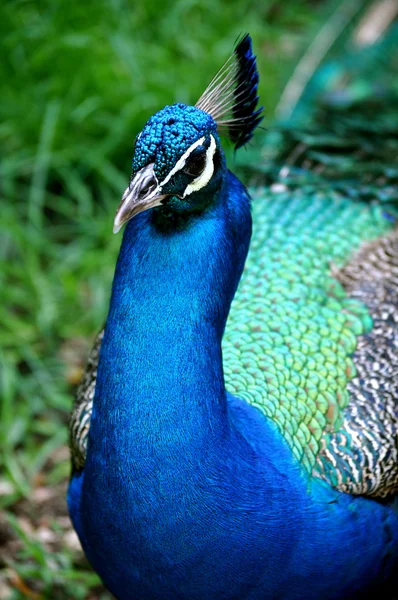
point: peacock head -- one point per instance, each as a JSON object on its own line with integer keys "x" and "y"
{"x": 178, "y": 159}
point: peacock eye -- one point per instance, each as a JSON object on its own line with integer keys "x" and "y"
{"x": 195, "y": 164}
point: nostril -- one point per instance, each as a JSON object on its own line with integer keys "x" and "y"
{"x": 146, "y": 189}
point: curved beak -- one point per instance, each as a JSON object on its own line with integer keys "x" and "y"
{"x": 143, "y": 193}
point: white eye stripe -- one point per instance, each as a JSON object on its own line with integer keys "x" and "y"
{"x": 204, "y": 178}
{"x": 181, "y": 161}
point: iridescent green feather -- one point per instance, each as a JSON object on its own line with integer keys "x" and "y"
{"x": 296, "y": 336}
{"x": 292, "y": 329}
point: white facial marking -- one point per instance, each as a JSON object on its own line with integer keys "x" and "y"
{"x": 204, "y": 178}
{"x": 181, "y": 161}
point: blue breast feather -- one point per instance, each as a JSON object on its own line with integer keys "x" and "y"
{"x": 188, "y": 492}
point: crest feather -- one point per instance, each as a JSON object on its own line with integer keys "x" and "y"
{"x": 231, "y": 97}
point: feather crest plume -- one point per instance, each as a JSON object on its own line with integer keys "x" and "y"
{"x": 231, "y": 97}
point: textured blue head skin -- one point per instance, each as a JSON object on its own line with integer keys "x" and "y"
{"x": 168, "y": 134}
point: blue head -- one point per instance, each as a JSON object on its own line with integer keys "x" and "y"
{"x": 178, "y": 161}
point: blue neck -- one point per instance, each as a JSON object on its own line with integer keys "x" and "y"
{"x": 160, "y": 372}
{"x": 171, "y": 489}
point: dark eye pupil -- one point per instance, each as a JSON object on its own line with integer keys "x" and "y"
{"x": 195, "y": 165}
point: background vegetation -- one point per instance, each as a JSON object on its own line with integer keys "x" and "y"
{"x": 78, "y": 81}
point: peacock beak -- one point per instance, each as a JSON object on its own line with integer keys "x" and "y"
{"x": 143, "y": 193}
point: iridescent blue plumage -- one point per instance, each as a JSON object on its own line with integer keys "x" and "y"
{"x": 186, "y": 490}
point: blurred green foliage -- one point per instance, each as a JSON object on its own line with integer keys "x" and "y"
{"x": 78, "y": 80}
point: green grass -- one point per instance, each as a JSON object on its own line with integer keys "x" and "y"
{"x": 78, "y": 81}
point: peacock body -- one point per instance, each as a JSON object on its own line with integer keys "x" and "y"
{"x": 245, "y": 445}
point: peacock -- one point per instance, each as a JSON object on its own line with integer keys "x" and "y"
{"x": 235, "y": 434}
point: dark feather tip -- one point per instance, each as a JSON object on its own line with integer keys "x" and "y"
{"x": 231, "y": 97}
{"x": 245, "y": 93}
